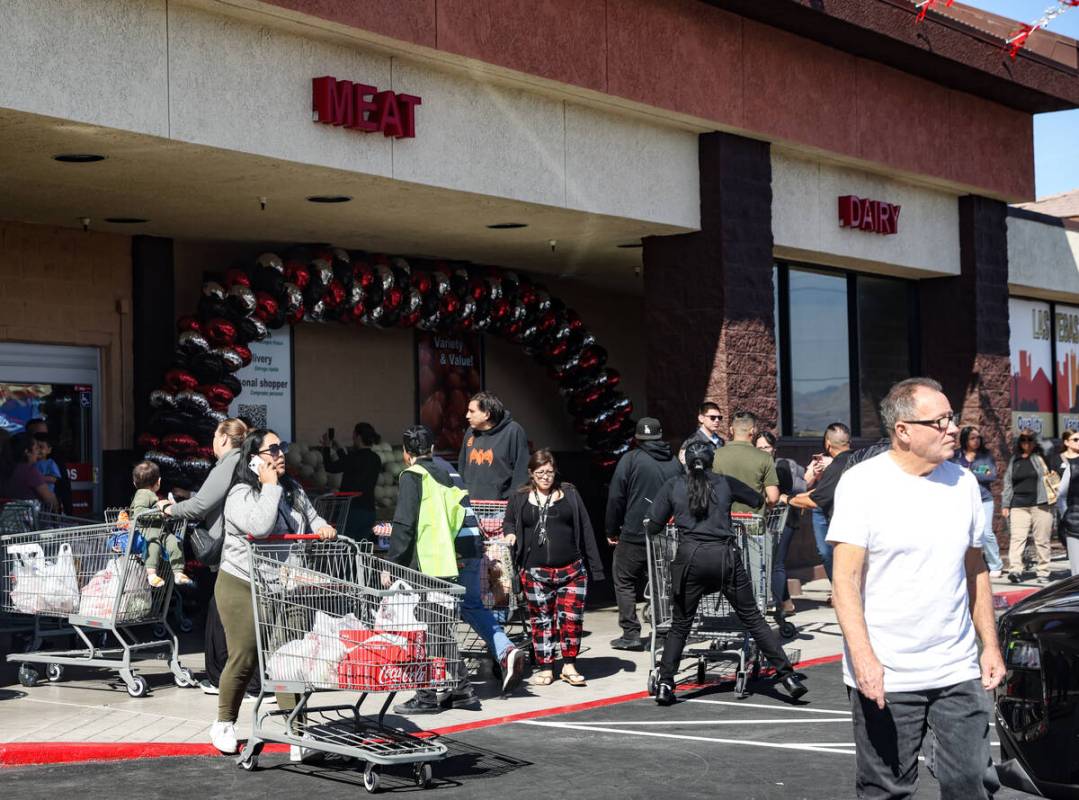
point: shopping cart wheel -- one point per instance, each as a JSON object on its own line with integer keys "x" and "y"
{"x": 787, "y": 630}
{"x": 54, "y": 672}
{"x": 423, "y": 775}
{"x": 186, "y": 625}
{"x": 652, "y": 680}
{"x": 160, "y": 631}
{"x": 185, "y": 679}
{"x": 740, "y": 682}
{"x": 702, "y": 670}
{"x": 249, "y": 764}
{"x": 371, "y": 778}
{"x": 28, "y": 675}
{"x": 138, "y": 687}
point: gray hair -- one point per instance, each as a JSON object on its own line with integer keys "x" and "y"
{"x": 899, "y": 403}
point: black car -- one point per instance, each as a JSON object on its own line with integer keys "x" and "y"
{"x": 1037, "y": 703}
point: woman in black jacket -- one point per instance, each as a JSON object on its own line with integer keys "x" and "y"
{"x": 553, "y": 539}
{"x": 709, "y": 560}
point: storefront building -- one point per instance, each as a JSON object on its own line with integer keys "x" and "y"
{"x": 765, "y": 204}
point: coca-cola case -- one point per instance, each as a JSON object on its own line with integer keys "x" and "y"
{"x": 384, "y": 661}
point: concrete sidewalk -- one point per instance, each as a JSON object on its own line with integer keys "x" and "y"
{"x": 85, "y": 708}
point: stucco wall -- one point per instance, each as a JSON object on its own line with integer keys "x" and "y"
{"x": 66, "y": 287}
{"x": 1043, "y": 260}
{"x": 805, "y": 220}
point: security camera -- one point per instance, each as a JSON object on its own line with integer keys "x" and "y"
{"x": 553, "y": 243}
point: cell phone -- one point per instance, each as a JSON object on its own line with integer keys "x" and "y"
{"x": 254, "y": 464}
{"x": 330, "y": 434}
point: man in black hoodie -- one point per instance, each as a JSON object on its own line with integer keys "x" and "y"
{"x": 494, "y": 455}
{"x": 639, "y": 475}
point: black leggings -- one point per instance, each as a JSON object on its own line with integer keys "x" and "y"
{"x": 700, "y": 569}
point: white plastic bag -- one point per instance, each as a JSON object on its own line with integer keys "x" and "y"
{"x": 397, "y": 611}
{"x": 136, "y": 599}
{"x": 99, "y": 595}
{"x": 293, "y": 661}
{"x": 44, "y": 586}
{"x": 326, "y": 632}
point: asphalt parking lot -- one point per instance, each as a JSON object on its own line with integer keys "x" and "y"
{"x": 707, "y": 744}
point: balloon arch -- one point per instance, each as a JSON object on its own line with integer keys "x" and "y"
{"x": 334, "y": 287}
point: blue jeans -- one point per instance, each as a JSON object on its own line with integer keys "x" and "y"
{"x": 989, "y": 540}
{"x": 820, "y": 531}
{"x": 475, "y": 614}
{"x": 780, "y": 593}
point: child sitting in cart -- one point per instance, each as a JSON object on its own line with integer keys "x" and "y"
{"x": 147, "y": 479}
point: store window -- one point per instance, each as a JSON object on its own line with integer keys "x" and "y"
{"x": 843, "y": 340}
{"x": 1045, "y": 366}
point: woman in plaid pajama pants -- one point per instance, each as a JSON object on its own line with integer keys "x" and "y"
{"x": 553, "y": 543}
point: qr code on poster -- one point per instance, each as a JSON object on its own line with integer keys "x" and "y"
{"x": 254, "y": 415}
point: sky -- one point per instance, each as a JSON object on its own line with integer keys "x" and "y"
{"x": 1056, "y": 135}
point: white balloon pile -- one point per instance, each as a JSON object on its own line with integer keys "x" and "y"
{"x": 393, "y": 464}
{"x": 305, "y": 463}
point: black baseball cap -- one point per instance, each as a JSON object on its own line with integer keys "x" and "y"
{"x": 648, "y": 429}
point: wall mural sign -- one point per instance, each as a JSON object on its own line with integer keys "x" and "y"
{"x": 1032, "y": 366}
{"x": 875, "y": 216}
{"x": 361, "y": 107}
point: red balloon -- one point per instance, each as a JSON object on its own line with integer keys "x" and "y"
{"x": 180, "y": 380}
{"x": 477, "y": 287}
{"x": 243, "y": 352}
{"x": 147, "y": 441}
{"x": 205, "y": 452}
{"x": 357, "y": 312}
{"x": 179, "y": 443}
{"x": 422, "y": 282}
{"x": 237, "y": 277}
{"x": 218, "y": 396}
{"x": 220, "y": 332}
{"x": 450, "y": 304}
{"x": 393, "y": 299}
{"x": 266, "y": 306}
{"x": 188, "y": 323}
{"x": 296, "y": 316}
{"x": 411, "y": 319}
{"x": 547, "y": 321}
{"x": 335, "y": 294}
{"x": 297, "y": 274}
{"x": 500, "y": 310}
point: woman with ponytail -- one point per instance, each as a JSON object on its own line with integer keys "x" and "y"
{"x": 709, "y": 560}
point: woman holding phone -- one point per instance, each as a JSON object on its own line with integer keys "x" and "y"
{"x": 263, "y": 501}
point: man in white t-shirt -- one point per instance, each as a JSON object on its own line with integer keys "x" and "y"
{"x": 911, "y": 591}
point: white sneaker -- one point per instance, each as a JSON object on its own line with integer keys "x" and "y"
{"x": 994, "y": 573}
{"x": 223, "y": 737}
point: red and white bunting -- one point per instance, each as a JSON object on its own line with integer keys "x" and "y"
{"x": 1018, "y": 38}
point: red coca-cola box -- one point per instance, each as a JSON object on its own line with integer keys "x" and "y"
{"x": 383, "y": 661}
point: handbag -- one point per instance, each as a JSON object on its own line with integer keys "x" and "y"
{"x": 1051, "y": 481}
{"x": 205, "y": 546}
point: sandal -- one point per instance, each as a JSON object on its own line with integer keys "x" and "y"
{"x": 545, "y": 678}
{"x": 574, "y": 678}
{"x": 181, "y": 579}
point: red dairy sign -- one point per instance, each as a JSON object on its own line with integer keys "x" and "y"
{"x": 868, "y": 215}
{"x": 364, "y": 108}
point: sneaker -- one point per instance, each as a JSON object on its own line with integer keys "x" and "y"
{"x": 223, "y": 737}
{"x": 418, "y": 705}
{"x": 266, "y": 699}
{"x": 467, "y": 701}
{"x": 627, "y": 643}
{"x": 513, "y": 665}
{"x": 665, "y": 694}
{"x": 207, "y": 687}
{"x": 995, "y": 573}
{"x": 1015, "y": 577}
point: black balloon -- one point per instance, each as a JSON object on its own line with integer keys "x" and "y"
{"x": 242, "y": 300}
{"x": 229, "y": 358}
{"x": 213, "y": 290}
{"x": 192, "y": 402}
{"x": 209, "y": 367}
{"x": 192, "y": 343}
{"x": 159, "y": 398}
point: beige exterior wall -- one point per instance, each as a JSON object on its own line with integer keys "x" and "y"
{"x": 62, "y": 286}
{"x": 805, "y": 220}
{"x": 1043, "y": 260}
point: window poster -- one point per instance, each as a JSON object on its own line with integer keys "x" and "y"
{"x": 1031, "y": 356}
{"x": 1067, "y": 331}
{"x": 449, "y": 372}
{"x": 266, "y": 399}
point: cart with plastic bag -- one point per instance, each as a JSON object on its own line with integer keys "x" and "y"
{"x": 716, "y": 633}
{"x": 498, "y": 568}
{"x": 332, "y": 617}
{"x": 92, "y": 579}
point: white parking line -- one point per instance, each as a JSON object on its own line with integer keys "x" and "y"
{"x": 787, "y": 708}
{"x": 812, "y": 747}
{"x": 816, "y": 720}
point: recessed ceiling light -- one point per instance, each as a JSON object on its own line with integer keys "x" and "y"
{"x": 505, "y": 226}
{"x": 78, "y": 158}
{"x": 630, "y": 245}
{"x": 328, "y": 198}
{"x": 126, "y": 220}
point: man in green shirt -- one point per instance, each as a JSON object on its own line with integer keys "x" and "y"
{"x": 741, "y": 460}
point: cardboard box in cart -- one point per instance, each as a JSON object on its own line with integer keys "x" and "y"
{"x": 387, "y": 661}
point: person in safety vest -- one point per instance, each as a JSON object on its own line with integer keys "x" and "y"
{"x": 434, "y": 531}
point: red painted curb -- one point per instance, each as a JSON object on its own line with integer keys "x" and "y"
{"x": 23, "y": 754}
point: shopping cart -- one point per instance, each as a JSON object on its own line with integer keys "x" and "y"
{"x": 22, "y": 516}
{"x": 330, "y": 616}
{"x": 90, "y": 578}
{"x": 496, "y": 573}
{"x": 716, "y": 626}
{"x": 334, "y": 508}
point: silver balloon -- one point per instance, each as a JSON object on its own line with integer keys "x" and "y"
{"x": 321, "y": 273}
{"x": 191, "y": 342}
{"x": 230, "y": 357}
{"x": 293, "y": 298}
{"x": 159, "y": 398}
{"x": 243, "y": 299}
{"x": 163, "y": 460}
{"x": 441, "y": 283}
{"x": 214, "y": 290}
{"x": 193, "y": 401}
{"x": 385, "y": 276}
{"x": 271, "y": 260}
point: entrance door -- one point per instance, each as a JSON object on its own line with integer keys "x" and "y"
{"x": 63, "y": 385}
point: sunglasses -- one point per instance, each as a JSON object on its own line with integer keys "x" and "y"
{"x": 276, "y": 450}
{"x": 713, "y": 417}
{"x": 1025, "y": 440}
